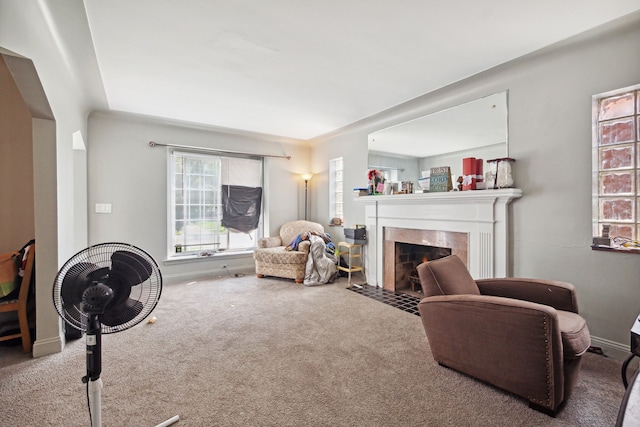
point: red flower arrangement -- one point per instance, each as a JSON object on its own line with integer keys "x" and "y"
{"x": 373, "y": 174}
{"x": 376, "y": 179}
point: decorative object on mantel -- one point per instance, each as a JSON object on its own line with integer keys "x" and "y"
{"x": 500, "y": 173}
{"x": 357, "y": 192}
{"x": 425, "y": 184}
{"x": 471, "y": 173}
{"x": 440, "y": 179}
{"x": 425, "y": 181}
{"x": 376, "y": 181}
{"x": 407, "y": 187}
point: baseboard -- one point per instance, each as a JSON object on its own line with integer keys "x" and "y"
{"x": 48, "y": 346}
{"x": 611, "y": 349}
{"x": 207, "y": 275}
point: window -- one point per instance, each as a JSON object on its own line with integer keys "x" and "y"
{"x": 616, "y": 165}
{"x": 336, "y": 191}
{"x": 214, "y": 203}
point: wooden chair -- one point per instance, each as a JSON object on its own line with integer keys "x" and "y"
{"x": 20, "y": 305}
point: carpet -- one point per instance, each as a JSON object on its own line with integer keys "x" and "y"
{"x": 268, "y": 352}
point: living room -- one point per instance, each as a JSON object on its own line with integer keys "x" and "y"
{"x": 550, "y": 136}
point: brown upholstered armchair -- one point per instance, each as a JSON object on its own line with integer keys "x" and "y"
{"x": 273, "y": 260}
{"x": 522, "y": 335}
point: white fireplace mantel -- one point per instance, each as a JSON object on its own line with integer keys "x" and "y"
{"x": 482, "y": 214}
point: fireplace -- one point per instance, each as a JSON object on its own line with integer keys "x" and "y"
{"x": 408, "y": 257}
{"x": 405, "y": 248}
{"x": 472, "y": 224}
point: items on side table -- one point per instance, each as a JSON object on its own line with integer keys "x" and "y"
{"x": 355, "y": 235}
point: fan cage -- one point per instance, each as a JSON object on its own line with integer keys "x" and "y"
{"x": 97, "y": 256}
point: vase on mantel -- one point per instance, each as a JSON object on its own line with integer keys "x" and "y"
{"x": 376, "y": 179}
{"x": 376, "y": 185}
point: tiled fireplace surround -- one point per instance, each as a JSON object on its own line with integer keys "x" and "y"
{"x": 473, "y": 224}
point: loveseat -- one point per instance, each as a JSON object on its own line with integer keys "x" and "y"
{"x": 272, "y": 259}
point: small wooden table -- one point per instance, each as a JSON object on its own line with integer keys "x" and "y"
{"x": 349, "y": 249}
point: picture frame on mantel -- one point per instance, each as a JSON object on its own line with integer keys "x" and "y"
{"x": 440, "y": 179}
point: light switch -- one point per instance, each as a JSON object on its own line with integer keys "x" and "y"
{"x": 103, "y": 207}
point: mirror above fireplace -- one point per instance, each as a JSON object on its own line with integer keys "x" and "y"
{"x": 475, "y": 129}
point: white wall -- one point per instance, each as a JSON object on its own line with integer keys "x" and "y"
{"x": 55, "y": 37}
{"x": 125, "y": 172}
{"x": 550, "y": 137}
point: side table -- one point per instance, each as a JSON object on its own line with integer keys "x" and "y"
{"x": 353, "y": 251}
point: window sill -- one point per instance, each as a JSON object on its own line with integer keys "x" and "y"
{"x": 619, "y": 250}
{"x": 180, "y": 259}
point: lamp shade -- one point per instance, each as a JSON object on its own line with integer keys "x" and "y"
{"x": 306, "y": 176}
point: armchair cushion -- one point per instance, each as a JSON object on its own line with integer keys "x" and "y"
{"x": 278, "y": 255}
{"x": 446, "y": 276}
{"x": 575, "y": 334}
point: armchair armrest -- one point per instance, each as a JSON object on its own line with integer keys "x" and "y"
{"x": 269, "y": 242}
{"x": 513, "y": 344}
{"x": 304, "y": 246}
{"x": 559, "y": 295}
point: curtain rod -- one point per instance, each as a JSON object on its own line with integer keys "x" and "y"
{"x": 214, "y": 150}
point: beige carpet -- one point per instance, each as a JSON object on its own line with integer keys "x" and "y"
{"x": 267, "y": 352}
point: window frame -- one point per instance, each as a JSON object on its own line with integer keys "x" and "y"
{"x": 336, "y": 190}
{"x": 172, "y": 253}
{"x": 603, "y": 177}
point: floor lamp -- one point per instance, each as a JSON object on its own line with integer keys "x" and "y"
{"x": 306, "y": 177}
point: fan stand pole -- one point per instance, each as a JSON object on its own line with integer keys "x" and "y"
{"x": 95, "y": 393}
{"x": 94, "y": 368}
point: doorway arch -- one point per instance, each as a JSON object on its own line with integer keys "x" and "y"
{"x": 43, "y": 129}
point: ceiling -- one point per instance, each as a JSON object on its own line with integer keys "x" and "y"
{"x": 302, "y": 68}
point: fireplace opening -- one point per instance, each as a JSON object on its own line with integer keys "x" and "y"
{"x": 431, "y": 244}
{"x": 407, "y": 258}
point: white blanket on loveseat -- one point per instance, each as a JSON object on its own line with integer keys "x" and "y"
{"x": 321, "y": 266}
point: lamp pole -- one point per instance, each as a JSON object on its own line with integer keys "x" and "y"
{"x": 306, "y": 182}
{"x": 306, "y": 177}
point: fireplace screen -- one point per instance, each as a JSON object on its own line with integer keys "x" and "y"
{"x": 407, "y": 258}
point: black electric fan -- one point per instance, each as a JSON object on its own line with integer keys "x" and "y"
{"x": 106, "y": 288}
